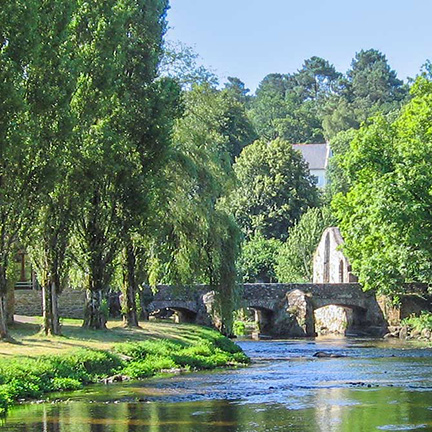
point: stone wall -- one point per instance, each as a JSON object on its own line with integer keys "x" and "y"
{"x": 410, "y": 304}
{"x": 29, "y": 303}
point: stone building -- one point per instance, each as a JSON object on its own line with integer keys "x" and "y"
{"x": 330, "y": 265}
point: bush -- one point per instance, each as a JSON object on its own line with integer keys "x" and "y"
{"x": 66, "y": 384}
{"x": 140, "y": 350}
{"x": 5, "y": 400}
{"x": 239, "y": 328}
{"x": 424, "y": 321}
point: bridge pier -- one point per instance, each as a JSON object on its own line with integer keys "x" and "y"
{"x": 301, "y": 312}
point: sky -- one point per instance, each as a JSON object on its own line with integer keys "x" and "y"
{"x": 249, "y": 39}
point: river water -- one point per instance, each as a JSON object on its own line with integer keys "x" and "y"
{"x": 377, "y": 386}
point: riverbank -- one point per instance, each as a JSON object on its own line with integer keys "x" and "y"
{"x": 36, "y": 364}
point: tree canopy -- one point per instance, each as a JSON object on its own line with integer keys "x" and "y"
{"x": 385, "y": 215}
{"x": 274, "y": 189}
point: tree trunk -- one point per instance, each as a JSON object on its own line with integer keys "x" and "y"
{"x": 94, "y": 318}
{"x": 10, "y": 304}
{"x": 51, "y": 322}
{"x": 46, "y": 308}
{"x": 4, "y": 334}
{"x": 130, "y": 317}
{"x": 56, "y": 329}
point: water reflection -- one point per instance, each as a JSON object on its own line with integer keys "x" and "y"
{"x": 338, "y": 410}
{"x": 378, "y": 387}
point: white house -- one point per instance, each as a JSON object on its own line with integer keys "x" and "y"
{"x": 317, "y": 157}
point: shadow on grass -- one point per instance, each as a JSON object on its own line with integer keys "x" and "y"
{"x": 33, "y": 342}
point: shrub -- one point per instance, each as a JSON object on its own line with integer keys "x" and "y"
{"x": 424, "y": 321}
{"x": 239, "y": 328}
{"x": 65, "y": 383}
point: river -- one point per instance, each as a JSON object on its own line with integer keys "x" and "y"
{"x": 377, "y": 386}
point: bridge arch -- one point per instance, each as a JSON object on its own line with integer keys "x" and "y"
{"x": 263, "y": 317}
{"x": 184, "y": 311}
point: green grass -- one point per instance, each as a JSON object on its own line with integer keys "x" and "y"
{"x": 36, "y": 364}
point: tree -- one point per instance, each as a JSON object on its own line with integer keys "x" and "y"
{"x": 291, "y": 106}
{"x": 17, "y": 150}
{"x": 295, "y": 260}
{"x": 257, "y": 260}
{"x": 196, "y": 240}
{"x": 370, "y": 87}
{"x": 275, "y": 189}
{"x": 372, "y": 81}
{"x": 150, "y": 135}
{"x": 273, "y": 83}
{"x": 316, "y": 80}
{"x": 117, "y": 48}
{"x": 149, "y": 107}
{"x": 385, "y": 216}
{"x": 237, "y": 88}
{"x": 51, "y": 84}
{"x": 181, "y": 62}
{"x": 338, "y": 181}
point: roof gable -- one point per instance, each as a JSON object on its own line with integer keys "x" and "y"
{"x": 316, "y": 155}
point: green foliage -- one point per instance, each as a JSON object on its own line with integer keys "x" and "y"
{"x": 290, "y": 106}
{"x": 385, "y": 216}
{"x": 370, "y": 87}
{"x": 20, "y": 158}
{"x": 295, "y": 259}
{"x": 65, "y": 383}
{"x": 419, "y": 323}
{"x": 31, "y": 378}
{"x": 153, "y": 356}
{"x": 372, "y": 80}
{"x": 239, "y": 328}
{"x": 257, "y": 260}
{"x": 182, "y": 63}
{"x": 196, "y": 239}
{"x": 338, "y": 180}
{"x": 142, "y": 349}
{"x": 275, "y": 189}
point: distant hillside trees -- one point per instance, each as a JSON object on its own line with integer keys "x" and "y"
{"x": 317, "y": 101}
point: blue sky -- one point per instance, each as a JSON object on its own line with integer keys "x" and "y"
{"x": 251, "y": 38}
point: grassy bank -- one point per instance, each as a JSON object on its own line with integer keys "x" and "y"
{"x": 36, "y": 365}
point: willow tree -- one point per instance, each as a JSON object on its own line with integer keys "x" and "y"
{"x": 17, "y": 182}
{"x": 197, "y": 241}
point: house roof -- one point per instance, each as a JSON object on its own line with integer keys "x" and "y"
{"x": 316, "y": 155}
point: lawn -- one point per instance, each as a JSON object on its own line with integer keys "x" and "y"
{"x": 35, "y": 364}
{"x": 31, "y": 342}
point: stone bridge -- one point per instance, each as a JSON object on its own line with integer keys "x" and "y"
{"x": 280, "y": 309}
